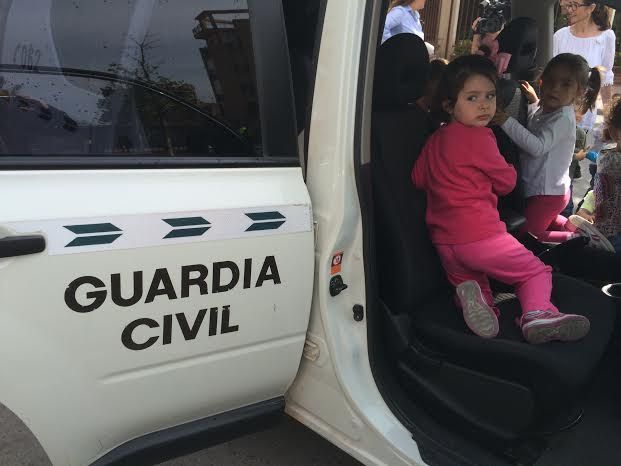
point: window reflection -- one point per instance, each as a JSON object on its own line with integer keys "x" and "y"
{"x": 142, "y": 77}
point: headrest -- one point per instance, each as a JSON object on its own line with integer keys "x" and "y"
{"x": 401, "y": 72}
{"x": 519, "y": 39}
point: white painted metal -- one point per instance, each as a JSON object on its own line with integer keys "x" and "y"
{"x": 336, "y": 395}
{"x": 58, "y": 361}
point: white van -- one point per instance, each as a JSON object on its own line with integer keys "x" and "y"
{"x": 188, "y": 250}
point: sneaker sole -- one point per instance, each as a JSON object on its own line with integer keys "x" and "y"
{"x": 564, "y": 328}
{"x": 598, "y": 240}
{"x": 479, "y": 317}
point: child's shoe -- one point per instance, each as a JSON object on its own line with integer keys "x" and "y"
{"x": 543, "y": 326}
{"x": 479, "y": 316}
{"x": 586, "y": 228}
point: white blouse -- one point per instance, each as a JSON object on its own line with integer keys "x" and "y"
{"x": 597, "y": 51}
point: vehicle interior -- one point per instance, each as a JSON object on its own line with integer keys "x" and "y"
{"x": 469, "y": 400}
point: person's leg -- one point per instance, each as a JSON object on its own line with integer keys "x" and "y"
{"x": 542, "y": 215}
{"x": 473, "y": 293}
{"x": 506, "y": 260}
{"x": 457, "y": 273}
{"x": 560, "y": 222}
{"x": 569, "y": 208}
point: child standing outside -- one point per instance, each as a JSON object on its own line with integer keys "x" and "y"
{"x": 548, "y": 144}
{"x": 462, "y": 173}
{"x": 575, "y": 172}
{"x": 601, "y": 211}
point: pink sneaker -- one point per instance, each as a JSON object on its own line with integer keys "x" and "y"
{"x": 543, "y": 326}
{"x": 586, "y": 228}
{"x": 479, "y": 316}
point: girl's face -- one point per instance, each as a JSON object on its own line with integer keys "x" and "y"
{"x": 417, "y": 5}
{"x": 476, "y": 102}
{"x": 558, "y": 89}
{"x": 576, "y": 11}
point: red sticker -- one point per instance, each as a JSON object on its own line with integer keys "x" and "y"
{"x": 337, "y": 260}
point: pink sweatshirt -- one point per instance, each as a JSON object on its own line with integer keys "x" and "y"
{"x": 463, "y": 174}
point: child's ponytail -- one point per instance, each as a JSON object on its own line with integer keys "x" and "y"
{"x": 589, "y": 79}
{"x": 593, "y": 87}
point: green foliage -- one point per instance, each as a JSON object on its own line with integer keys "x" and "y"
{"x": 462, "y": 47}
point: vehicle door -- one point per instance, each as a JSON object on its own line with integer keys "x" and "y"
{"x": 156, "y": 234}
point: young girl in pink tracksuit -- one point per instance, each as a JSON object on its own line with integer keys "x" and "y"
{"x": 462, "y": 173}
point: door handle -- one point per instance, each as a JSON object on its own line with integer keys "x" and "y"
{"x": 12, "y": 246}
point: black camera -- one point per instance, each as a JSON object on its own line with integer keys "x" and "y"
{"x": 493, "y": 16}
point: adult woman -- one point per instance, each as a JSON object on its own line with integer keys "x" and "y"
{"x": 590, "y": 36}
{"x": 404, "y": 16}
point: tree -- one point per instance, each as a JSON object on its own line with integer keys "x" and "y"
{"x": 120, "y": 103}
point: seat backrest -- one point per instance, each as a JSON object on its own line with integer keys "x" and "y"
{"x": 519, "y": 39}
{"x": 408, "y": 267}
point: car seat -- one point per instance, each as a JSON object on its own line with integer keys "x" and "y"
{"x": 519, "y": 40}
{"x": 503, "y": 388}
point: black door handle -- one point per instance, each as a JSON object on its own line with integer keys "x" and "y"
{"x": 12, "y": 246}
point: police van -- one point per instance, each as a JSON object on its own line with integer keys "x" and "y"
{"x": 189, "y": 249}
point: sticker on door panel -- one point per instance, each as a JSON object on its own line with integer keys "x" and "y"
{"x": 79, "y": 235}
{"x": 88, "y": 293}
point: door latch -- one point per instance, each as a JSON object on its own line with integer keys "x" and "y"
{"x": 358, "y": 312}
{"x": 337, "y": 285}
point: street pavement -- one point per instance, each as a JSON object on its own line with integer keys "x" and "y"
{"x": 290, "y": 443}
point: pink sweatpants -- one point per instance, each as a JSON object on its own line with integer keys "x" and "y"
{"x": 543, "y": 218}
{"x": 505, "y": 259}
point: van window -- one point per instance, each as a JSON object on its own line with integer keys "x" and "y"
{"x": 161, "y": 78}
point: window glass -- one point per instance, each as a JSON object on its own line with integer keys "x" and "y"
{"x": 301, "y": 22}
{"x": 138, "y": 77}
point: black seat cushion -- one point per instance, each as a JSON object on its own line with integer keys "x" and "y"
{"x": 512, "y": 219}
{"x": 400, "y": 211}
{"x": 556, "y": 370}
{"x": 519, "y": 39}
{"x": 400, "y": 129}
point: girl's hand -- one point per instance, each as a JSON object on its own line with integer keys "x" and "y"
{"x": 499, "y": 119}
{"x": 586, "y": 215}
{"x": 529, "y": 92}
{"x": 581, "y": 154}
{"x": 475, "y": 24}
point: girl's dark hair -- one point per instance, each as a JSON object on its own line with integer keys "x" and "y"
{"x": 613, "y": 118}
{"x": 519, "y": 38}
{"x": 453, "y": 79}
{"x": 395, "y": 3}
{"x": 437, "y": 67}
{"x": 587, "y": 78}
{"x": 600, "y": 15}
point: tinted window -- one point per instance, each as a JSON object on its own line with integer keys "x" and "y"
{"x": 301, "y": 21}
{"x": 153, "y": 78}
